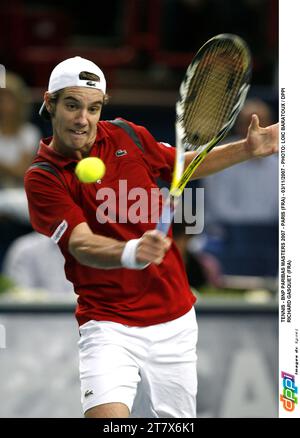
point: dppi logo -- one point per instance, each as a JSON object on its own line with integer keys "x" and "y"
{"x": 288, "y": 396}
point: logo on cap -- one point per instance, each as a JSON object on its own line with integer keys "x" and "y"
{"x": 91, "y": 84}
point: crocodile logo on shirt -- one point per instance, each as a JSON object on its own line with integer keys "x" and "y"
{"x": 88, "y": 392}
{"x": 121, "y": 152}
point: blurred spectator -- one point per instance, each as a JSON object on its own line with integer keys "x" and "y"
{"x": 19, "y": 140}
{"x": 18, "y": 137}
{"x": 34, "y": 261}
{"x": 241, "y": 208}
{"x": 201, "y": 268}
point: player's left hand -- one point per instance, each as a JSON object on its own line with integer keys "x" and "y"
{"x": 261, "y": 142}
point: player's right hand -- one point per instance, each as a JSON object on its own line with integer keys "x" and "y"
{"x": 152, "y": 247}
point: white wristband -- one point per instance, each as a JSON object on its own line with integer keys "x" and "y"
{"x": 128, "y": 257}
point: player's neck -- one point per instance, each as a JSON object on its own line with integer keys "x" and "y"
{"x": 69, "y": 152}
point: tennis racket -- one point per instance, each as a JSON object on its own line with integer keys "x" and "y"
{"x": 211, "y": 96}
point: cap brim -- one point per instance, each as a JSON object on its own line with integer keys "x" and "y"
{"x": 43, "y": 112}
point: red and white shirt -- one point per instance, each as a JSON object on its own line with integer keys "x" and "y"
{"x": 154, "y": 295}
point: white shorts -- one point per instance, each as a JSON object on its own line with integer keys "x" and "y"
{"x": 150, "y": 369}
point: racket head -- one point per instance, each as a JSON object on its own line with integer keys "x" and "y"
{"x": 211, "y": 96}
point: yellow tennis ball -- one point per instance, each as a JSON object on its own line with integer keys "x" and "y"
{"x": 90, "y": 169}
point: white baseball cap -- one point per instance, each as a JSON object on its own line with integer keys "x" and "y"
{"x": 67, "y": 74}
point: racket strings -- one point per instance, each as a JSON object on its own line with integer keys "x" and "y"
{"x": 207, "y": 120}
{"x": 213, "y": 92}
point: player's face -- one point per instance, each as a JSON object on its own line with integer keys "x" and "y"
{"x": 75, "y": 120}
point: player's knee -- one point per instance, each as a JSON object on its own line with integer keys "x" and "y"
{"x": 108, "y": 410}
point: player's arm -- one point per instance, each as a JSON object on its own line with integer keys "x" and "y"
{"x": 103, "y": 252}
{"x": 260, "y": 142}
{"x": 50, "y": 204}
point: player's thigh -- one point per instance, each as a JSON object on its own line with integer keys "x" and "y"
{"x": 170, "y": 374}
{"x": 174, "y": 387}
{"x": 109, "y": 374}
{"x": 167, "y": 391}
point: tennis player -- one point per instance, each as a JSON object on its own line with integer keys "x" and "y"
{"x": 138, "y": 329}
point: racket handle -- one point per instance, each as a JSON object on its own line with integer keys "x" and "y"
{"x": 167, "y": 215}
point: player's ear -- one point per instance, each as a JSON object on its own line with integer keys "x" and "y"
{"x": 48, "y": 104}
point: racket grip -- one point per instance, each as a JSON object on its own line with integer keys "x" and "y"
{"x": 166, "y": 217}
